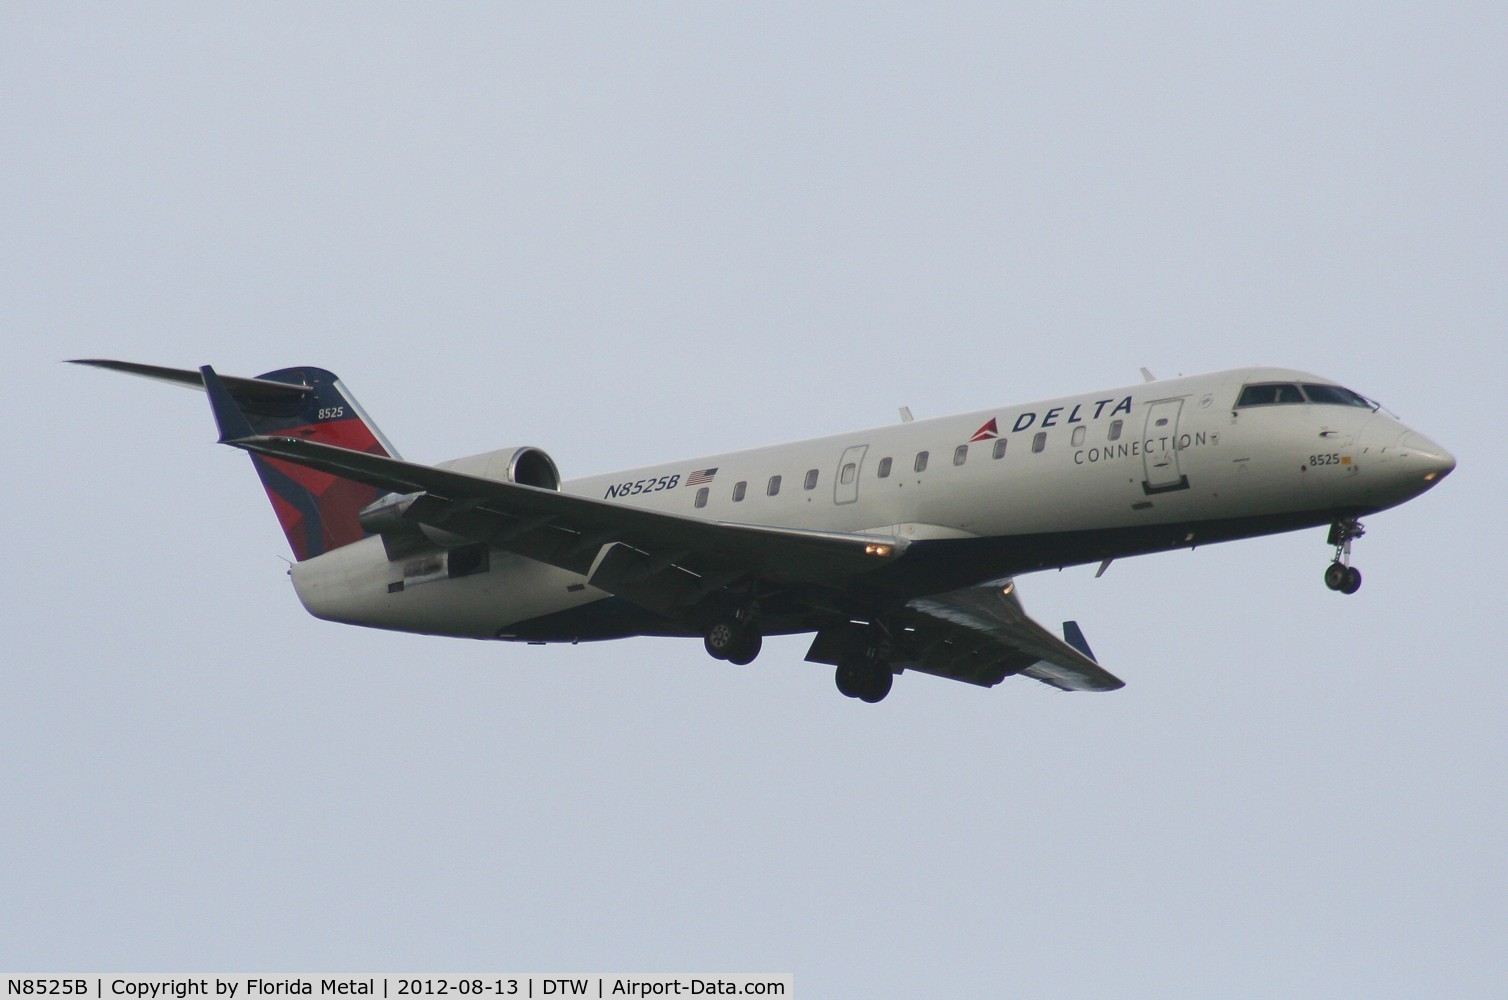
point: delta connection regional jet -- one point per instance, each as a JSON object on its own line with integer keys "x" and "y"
{"x": 896, "y": 546}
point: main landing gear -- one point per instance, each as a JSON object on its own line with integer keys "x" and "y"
{"x": 862, "y": 653}
{"x": 863, "y": 672}
{"x": 734, "y": 638}
{"x": 1341, "y": 575}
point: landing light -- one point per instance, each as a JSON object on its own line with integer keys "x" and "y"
{"x": 1008, "y": 589}
{"x": 1430, "y": 477}
{"x": 877, "y": 550}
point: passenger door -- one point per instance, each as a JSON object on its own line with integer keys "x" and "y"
{"x": 1159, "y": 448}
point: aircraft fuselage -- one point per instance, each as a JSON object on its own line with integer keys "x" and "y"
{"x": 1150, "y": 467}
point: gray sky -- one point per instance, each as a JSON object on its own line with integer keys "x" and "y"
{"x": 628, "y": 233}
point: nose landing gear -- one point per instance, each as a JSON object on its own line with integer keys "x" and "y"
{"x": 1340, "y": 575}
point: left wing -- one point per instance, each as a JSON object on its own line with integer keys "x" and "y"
{"x": 658, "y": 560}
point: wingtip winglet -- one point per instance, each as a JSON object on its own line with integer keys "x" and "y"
{"x": 229, "y": 419}
{"x": 1074, "y": 636}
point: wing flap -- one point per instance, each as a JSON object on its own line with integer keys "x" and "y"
{"x": 654, "y": 581}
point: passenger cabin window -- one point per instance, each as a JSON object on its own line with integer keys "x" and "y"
{"x": 999, "y": 451}
{"x": 774, "y": 486}
{"x": 960, "y": 454}
{"x": 811, "y": 480}
{"x": 738, "y": 491}
{"x": 1078, "y": 435}
{"x": 1115, "y": 429}
{"x": 921, "y": 462}
{"x": 1040, "y": 441}
{"x": 849, "y": 471}
{"x": 885, "y": 468}
{"x": 701, "y": 497}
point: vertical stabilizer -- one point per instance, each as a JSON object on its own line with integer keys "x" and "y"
{"x": 318, "y": 511}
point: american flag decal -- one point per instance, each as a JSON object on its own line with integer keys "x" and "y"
{"x": 701, "y": 476}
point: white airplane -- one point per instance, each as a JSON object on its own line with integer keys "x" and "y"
{"x": 897, "y": 546}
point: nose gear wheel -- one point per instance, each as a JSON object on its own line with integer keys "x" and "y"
{"x": 1345, "y": 579}
{"x": 1340, "y": 575}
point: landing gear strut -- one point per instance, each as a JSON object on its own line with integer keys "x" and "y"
{"x": 1340, "y": 574}
{"x": 863, "y": 671}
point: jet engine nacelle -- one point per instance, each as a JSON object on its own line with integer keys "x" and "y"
{"x": 527, "y": 466}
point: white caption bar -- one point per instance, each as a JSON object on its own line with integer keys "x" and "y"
{"x": 452, "y": 986}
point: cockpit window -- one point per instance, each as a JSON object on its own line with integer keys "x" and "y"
{"x": 1336, "y": 395}
{"x": 1269, "y": 393}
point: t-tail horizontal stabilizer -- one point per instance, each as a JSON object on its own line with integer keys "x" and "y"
{"x": 318, "y": 512}
{"x": 251, "y": 391}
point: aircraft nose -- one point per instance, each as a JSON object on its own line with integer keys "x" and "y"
{"x": 1432, "y": 462}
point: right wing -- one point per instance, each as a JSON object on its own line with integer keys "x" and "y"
{"x": 982, "y": 634}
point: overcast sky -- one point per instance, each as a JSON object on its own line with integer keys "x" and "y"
{"x": 632, "y": 233}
